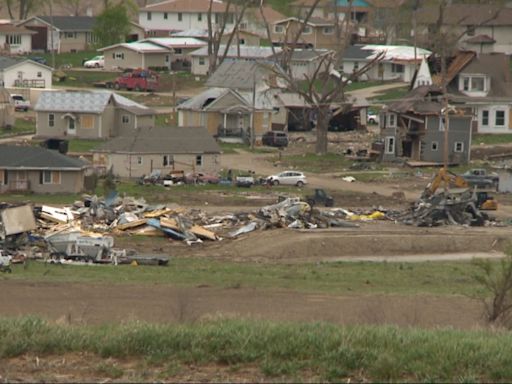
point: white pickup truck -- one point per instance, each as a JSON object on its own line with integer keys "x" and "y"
{"x": 20, "y": 103}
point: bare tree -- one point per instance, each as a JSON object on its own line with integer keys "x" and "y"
{"x": 23, "y": 7}
{"x": 324, "y": 90}
{"x": 217, "y": 30}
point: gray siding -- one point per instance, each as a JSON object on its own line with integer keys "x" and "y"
{"x": 70, "y": 182}
{"x": 459, "y": 132}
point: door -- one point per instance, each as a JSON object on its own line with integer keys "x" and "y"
{"x": 71, "y": 126}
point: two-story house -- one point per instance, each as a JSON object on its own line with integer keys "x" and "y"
{"x": 414, "y": 129}
{"x": 161, "y": 18}
{"x": 482, "y": 84}
{"x": 15, "y": 40}
{"x": 89, "y": 115}
{"x": 483, "y": 28}
{"x": 317, "y": 33}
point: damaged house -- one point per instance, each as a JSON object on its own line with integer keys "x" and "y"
{"x": 414, "y": 129}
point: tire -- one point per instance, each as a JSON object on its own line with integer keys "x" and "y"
{"x": 96, "y": 65}
{"x": 300, "y": 184}
{"x": 275, "y": 182}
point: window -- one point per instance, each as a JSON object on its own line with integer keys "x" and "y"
{"x": 278, "y": 29}
{"x": 168, "y": 160}
{"x": 178, "y": 51}
{"x": 51, "y": 120}
{"x": 201, "y": 61}
{"x": 199, "y": 17}
{"x": 70, "y": 35}
{"x": 391, "y": 120}
{"x": 470, "y": 30}
{"x": 71, "y": 124}
{"x": 485, "y": 118}
{"x": 458, "y": 146}
{"x": 180, "y": 16}
{"x": 125, "y": 119}
{"x": 199, "y": 160}
{"x": 390, "y": 145}
{"x": 118, "y": 56}
{"x": 139, "y": 160}
{"x": 39, "y": 74}
{"x": 500, "y": 118}
{"x": 13, "y": 39}
{"x": 477, "y": 83}
{"x": 472, "y": 84}
{"x": 356, "y": 66}
{"x": 165, "y": 15}
{"x": 307, "y": 30}
{"x": 465, "y": 83}
{"x": 328, "y": 30}
{"x": 242, "y": 41}
{"x": 435, "y": 146}
{"x": 442, "y": 123}
{"x": 3, "y": 173}
{"x": 149, "y": 15}
{"x": 50, "y": 177}
{"x": 397, "y": 68}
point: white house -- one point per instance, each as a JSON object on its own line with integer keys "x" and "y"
{"x": 24, "y": 73}
{"x": 16, "y": 40}
{"x": 398, "y": 62}
{"x": 177, "y": 15}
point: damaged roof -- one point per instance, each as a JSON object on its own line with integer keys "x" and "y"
{"x": 421, "y": 100}
{"x": 246, "y": 51}
{"x": 238, "y": 74}
{"x": 392, "y": 53}
{"x": 163, "y": 140}
{"x": 83, "y": 101}
{"x": 29, "y": 157}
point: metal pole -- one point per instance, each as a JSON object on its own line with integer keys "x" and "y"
{"x": 253, "y": 131}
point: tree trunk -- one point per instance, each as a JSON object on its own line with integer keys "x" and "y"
{"x": 322, "y": 125}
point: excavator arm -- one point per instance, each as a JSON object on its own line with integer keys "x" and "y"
{"x": 447, "y": 179}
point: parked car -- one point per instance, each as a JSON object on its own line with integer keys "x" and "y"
{"x": 481, "y": 178}
{"x": 38, "y": 59}
{"x": 20, "y": 103}
{"x": 95, "y": 62}
{"x": 275, "y": 139}
{"x": 288, "y": 178}
{"x": 201, "y": 178}
{"x": 244, "y": 181}
{"x": 372, "y": 117}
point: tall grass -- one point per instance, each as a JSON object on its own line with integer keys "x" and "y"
{"x": 280, "y": 349}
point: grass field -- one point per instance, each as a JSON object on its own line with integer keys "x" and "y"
{"x": 310, "y": 162}
{"x": 83, "y": 145}
{"x": 22, "y": 125}
{"x": 504, "y": 138}
{"x": 292, "y": 351}
{"x": 440, "y": 278}
{"x": 391, "y": 95}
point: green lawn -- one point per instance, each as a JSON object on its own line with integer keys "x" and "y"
{"x": 391, "y": 95}
{"x": 291, "y": 352}
{"x": 310, "y": 162}
{"x": 86, "y": 78}
{"x": 22, "y": 125}
{"x": 83, "y": 145}
{"x": 66, "y": 59}
{"x": 50, "y": 199}
{"x": 503, "y": 138}
{"x": 439, "y": 278}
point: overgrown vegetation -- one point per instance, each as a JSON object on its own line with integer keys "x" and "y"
{"x": 290, "y": 350}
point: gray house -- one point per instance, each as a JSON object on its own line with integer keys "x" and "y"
{"x": 414, "y": 129}
{"x": 89, "y": 115}
{"x": 39, "y": 170}
{"x": 163, "y": 149}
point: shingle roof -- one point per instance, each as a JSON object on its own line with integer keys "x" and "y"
{"x": 178, "y": 42}
{"x": 138, "y": 46}
{"x": 187, "y": 6}
{"x": 416, "y": 101}
{"x": 6, "y": 62}
{"x": 237, "y": 74}
{"x": 166, "y": 140}
{"x": 15, "y": 156}
{"x": 83, "y": 101}
{"x": 9, "y": 28}
{"x": 70, "y": 23}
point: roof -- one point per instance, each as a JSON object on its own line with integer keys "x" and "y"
{"x": 166, "y": 140}
{"x": 8, "y": 62}
{"x": 467, "y": 14}
{"x": 177, "y": 42}
{"x": 86, "y": 102}
{"x": 200, "y": 33}
{"x": 462, "y": 58}
{"x": 480, "y": 39}
{"x": 308, "y": 54}
{"x": 198, "y": 101}
{"x": 237, "y": 74}
{"x": 70, "y": 23}
{"x": 9, "y": 28}
{"x": 247, "y": 51}
{"x": 392, "y": 53}
{"x": 29, "y": 157}
{"x": 417, "y": 101}
{"x": 271, "y": 15}
{"x": 139, "y": 46}
{"x": 312, "y": 21}
{"x": 186, "y": 6}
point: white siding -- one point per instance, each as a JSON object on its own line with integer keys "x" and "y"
{"x": 491, "y": 126}
{"x": 188, "y": 21}
{"x": 24, "y": 47}
{"x": 197, "y": 68}
{"x": 28, "y": 71}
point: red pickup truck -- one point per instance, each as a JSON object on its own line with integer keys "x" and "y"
{"x": 138, "y": 80}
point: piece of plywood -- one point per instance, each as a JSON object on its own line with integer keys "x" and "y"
{"x": 18, "y": 220}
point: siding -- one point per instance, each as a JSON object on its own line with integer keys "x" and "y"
{"x": 29, "y": 71}
{"x": 70, "y": 182}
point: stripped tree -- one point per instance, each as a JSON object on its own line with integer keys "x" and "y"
{"x": 324, "y": 89}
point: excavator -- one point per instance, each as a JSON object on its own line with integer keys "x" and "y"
{"x": 484, "y": 201}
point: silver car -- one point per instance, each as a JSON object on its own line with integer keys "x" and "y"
{"x": 288, "y": 178}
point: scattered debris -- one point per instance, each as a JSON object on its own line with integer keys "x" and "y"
{"x": 349, "y": 179}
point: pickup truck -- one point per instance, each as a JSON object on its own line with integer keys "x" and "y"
{"x": 20, "y": 103}
{"x": 481, "y": 178}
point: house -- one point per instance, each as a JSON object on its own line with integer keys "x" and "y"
{"x": 16, "y": 40}
{"x": 398, "y": 62}
{"x": 200, "y": 57}
{"x": 178, "y": 15}
{"x": 138, "y": 54}
{"x": 305, "y": 63}
{"x": 360, "y": 9}
{"x": 414, "y": 129}
{"x": 39, "y": 170}
{"x": 257, "y": 23}
{"x": 181, "y": 48}
{"x": 25, "y": 73}
{"x": 163, "y": 149}
{"x": 89, "y": 115}
{"x": 319, "y": 33}
{"x": 483, "y": 28}
{"x": 61, "y": 33}
{"x": 482, "y": 85}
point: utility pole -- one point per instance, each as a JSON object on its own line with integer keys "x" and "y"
{"x": 51, "y": 35}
